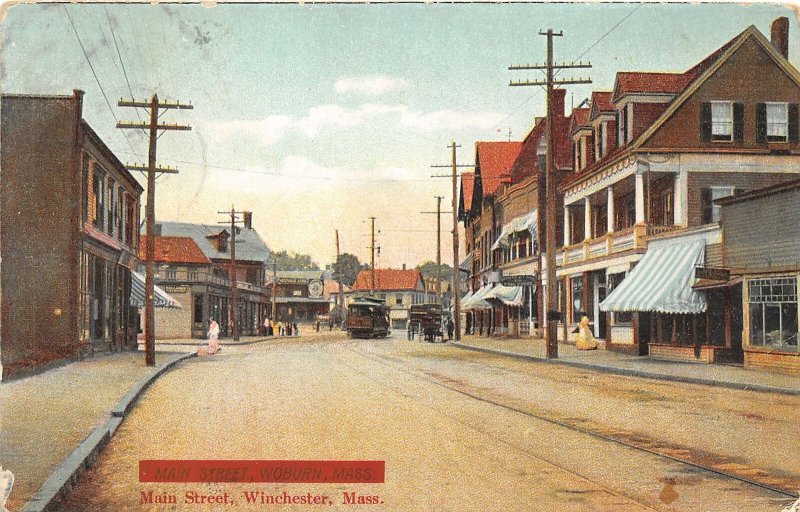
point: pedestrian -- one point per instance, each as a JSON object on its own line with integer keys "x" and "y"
{"x": 288, "y": 329}
{"x": 450, "y": 327}
{"x": 296, "y": 330}
{"x": 267, "y": 326}
{"x": 213, "y": 339}
{"x": 281, "y": 328}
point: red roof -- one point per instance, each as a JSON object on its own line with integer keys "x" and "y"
{"x": 330, "y": 288}
{"x": 173, "y": 249}
{"x": 387, "y": 279}
{"x": 467, "y": 184}
{"x": 580, "y": 118}
{"x": 643, "y": 82}
{"x": 494, "y": 161}
{"x": 601, "y": 101}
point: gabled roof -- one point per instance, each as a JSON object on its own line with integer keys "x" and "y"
{"x": 493, "y": 161}
{"x": 525, "y": 164}
{"x": 467, "y": 184}
{"x": 600, "y": 103}
{"x": 692, "y": 80}
{"x": 173, "y": 249}
{"x": 249, "y": 245}
{"x": 388, "y": 279}
{"x": 579, "y": 119}
{"x": 633, "y": 82}
{"x": 330, "y": 288}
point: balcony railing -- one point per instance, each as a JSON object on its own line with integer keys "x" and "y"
{"x": 634, "y": 237}
{"x": 184, "y": 276}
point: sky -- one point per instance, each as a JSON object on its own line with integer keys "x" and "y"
{"x": 316, "y": 117}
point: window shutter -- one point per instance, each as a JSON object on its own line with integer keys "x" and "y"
{"x": 705, "y": 122}
{"x": 738, "y": 122}
{"x": 761, "y": 122}
{"x": 793, "y": 122}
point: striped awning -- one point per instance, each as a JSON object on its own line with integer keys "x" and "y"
{"x": 662, "y": 281}
{"x": 161, "y": 299}
{"x": 509, "y": 295}
{"x": 477, "y": 300}
{"x": 526, "y": 222}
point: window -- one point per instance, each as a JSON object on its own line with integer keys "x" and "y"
{"x": 773, "y": 312}
{"x": 198, "y": 309}
{"x": 615, "y": 280}
{"x": 112, "y": 206}
{"x": 194, "y": 275}
{"x": 622, "y": 123}
{"x": 99, "y": 189}
{"x": 777, "y": 122}
{"x": 398, "y": 299}
{"x": 85, "y": 185}
{"x": 721, "y": 120}
{"x": 576, "y": 284}
{"x": 709, "y": 210}
{"x": 171, "y": 274}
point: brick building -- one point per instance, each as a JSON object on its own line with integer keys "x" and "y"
{"x": 69, "y": 223}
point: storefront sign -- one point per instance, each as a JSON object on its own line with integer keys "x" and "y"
{"x": 713, "y": 273}
{"x": 175, "y": 288}
{"x": 521, "y": 280}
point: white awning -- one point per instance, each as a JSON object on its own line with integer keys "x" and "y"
{"x": 525, "y": 222}
{"x": 477, "y": 300}
{"x": 509, "y": 295}
{"x": 662, "y": 281}
{"x": 161, "y": 299}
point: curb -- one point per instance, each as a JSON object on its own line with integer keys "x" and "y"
{"x": 64, "y": 477}
{"x": 202, "y": 341}
{"x": 635, "y": 373}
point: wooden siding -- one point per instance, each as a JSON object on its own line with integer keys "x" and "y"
{"x": 714, "y": 255}
{"x": 749, "y": 76}
{"x": 743, "y": 181}
{"x": 773, "y": 361}
{"x": 763, "y": 232}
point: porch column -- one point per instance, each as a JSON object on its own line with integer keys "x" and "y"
{"x": 566, "y": 226}
{"x": 681, "y": 199}
{"x": 639, "y": 176}
{"x": 610, "y": 209}
{"x": 587, "y": 218}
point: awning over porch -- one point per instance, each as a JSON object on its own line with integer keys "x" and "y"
{"x": 525, "y": 222}
{"x": 662, "y": 281}
{"x": 477, "y": 300}
{"x": 509, "y": 295}
{"x": 161, "y": 299}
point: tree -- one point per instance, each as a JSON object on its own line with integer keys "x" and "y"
{"x": 348, "y": 267}
{"x": 287, "y": 261}
{"x": 428, "y": 269}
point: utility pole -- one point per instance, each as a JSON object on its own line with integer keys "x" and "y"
{"x": 233, "y": 314}
{"x": 456, "y": 292}
{"x": 438, "y": 214}
{"x": 340, "y": 302}
{"x": 274, "y": 287}
{"x": 372, "y": 259}
{"x": 552, "y": 315}
{"x": 150, "y": 212}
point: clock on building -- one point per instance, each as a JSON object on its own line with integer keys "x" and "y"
{"x": 315, "y": 288}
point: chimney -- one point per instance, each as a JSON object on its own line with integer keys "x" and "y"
{"x": 248, "y": 220}
{"x": 404, "y": 266}
{"x": 779, "y": 35}
{"x": 559, "y": 95}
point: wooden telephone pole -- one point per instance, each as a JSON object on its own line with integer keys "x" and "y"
{"x": 150, "y": 213}
{"x": 233, "y": 314}
{"x": 372, "y": 258}
{"x": 456, "y": 293}
{"x": 438, "y": 214}
{"x": 550, "y": 248}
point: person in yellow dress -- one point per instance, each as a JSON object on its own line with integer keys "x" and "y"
{"x": 585, "y": 339}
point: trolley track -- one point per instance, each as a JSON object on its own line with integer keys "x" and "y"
{"x": 716, "y": 465}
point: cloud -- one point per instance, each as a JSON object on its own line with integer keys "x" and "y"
{"x": 371, "y": 85}
{"x": 321, "y": 118}
{"x": 268, "y": 131}
{"x": 450, "y": 120}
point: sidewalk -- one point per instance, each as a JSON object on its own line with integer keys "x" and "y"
{"x": 52, "y": 422}
{"x": 622, "y": 364}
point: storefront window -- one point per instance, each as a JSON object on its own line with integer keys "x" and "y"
{"x": 576, "y": 284}
{"x": 773, "y": 312}
{"x": 615, "y": 280}
{"x": 198, "y": 309}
